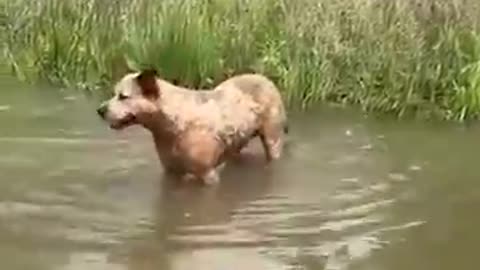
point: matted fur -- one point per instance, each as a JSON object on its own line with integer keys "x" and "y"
{"x": 196, "y": 131}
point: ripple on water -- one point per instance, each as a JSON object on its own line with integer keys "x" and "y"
{"x": 329, "y": 233}
{"x": 91, "y": 261}
{"x": 4, "y": 108}
{"x": 51, "y": 217}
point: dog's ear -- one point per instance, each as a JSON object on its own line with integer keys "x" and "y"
{"x": 147, "y": 80}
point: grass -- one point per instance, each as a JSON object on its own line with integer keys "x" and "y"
{"x": 397, "y": 56}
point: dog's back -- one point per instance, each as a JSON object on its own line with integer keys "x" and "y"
{"x": 262, "y": 91}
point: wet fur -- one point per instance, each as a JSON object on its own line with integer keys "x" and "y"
{"x": 197, "y": 131}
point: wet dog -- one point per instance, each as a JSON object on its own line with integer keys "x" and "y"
{"x": 197, "y": 131}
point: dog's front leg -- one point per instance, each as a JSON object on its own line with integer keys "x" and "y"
{"x": 200, "y": 152}
{"x": 211, "y": 177}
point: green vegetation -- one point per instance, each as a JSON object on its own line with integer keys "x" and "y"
{"x": 398, "y": 56}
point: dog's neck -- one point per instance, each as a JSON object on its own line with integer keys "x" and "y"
{"x": 161, "y": 127}
{"x": 175, "y": 111}
{"x": 163, "y": 123}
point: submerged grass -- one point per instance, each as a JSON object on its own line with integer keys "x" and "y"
{"x": 398, "y": 56}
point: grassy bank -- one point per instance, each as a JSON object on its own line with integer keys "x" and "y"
{"x": 394, "y": 56}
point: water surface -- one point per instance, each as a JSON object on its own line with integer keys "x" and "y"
{"x": 350, "y": 193}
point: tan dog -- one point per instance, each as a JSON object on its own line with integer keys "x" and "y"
{"x": 196, "y": 131}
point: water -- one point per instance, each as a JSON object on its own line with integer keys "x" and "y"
{"x": 351, "y": 193}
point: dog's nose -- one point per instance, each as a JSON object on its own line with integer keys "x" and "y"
{"x": 102, "y": 110}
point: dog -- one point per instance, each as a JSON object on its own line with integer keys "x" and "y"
{"x": 196, "y": 131}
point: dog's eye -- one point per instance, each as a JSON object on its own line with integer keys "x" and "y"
{"x": 122, "y": 96}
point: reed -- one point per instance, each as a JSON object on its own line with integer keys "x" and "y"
{"x": 398, "y": 56}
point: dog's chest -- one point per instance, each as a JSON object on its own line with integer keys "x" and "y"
{"x": 169, "y": 158}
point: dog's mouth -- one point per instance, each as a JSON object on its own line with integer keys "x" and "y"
{"x": 124, "y": 122}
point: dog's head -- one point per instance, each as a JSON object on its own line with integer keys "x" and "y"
{"x": 134, "y": 101}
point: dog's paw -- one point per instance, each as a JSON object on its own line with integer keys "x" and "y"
{"x": 188, "y": 177}
{"x": 211, "y": 178}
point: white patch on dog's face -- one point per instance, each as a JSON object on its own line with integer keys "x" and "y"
{"x": 128, "y": 106}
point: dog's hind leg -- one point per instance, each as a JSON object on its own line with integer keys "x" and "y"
{"x": 271, "y": 136}
{"x": 272, "y": 131}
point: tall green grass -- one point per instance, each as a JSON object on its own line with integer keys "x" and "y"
{"x": 397, "y": 56}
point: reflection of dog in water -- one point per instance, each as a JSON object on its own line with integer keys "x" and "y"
{"x": 185, "y": 231}
{"x": 195, "y": 132}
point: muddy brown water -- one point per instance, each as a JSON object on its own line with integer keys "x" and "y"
{"x": 350, "y": 193}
